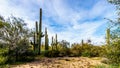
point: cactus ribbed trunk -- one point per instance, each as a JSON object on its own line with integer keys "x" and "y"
{"x": 108, "y": 36}
{"x": 46, "y": 40}
{"x": 36, "y": 24}
{"x": 82, "y": 42}
{"x": 52, "y": 44}
{"x": 40, "y": 33}
{"x": 34, "y": 42}
{"x": 56, "y": 42}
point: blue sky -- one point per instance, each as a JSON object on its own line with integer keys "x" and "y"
{"x": 72, "y": 20}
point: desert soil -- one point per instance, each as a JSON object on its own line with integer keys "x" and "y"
{"x": 62, "y": 62}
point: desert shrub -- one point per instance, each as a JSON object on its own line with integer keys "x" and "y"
{"x": 28, "y": 55}
{"x": 87, "y": 50}
{"x": 86, "y": 53}
{"x": 45, "y": 53}
{"x": 5, "y": 66}
{"x": 63, "y": 48}
{"x": 64, "y": 52}
{"x": 97, "y": 51}
{"x": 56, "y": 53}
{"x": 113, "y": 52}
{"x": 3, "y": 59}
{"x": 76, "y": 50}
{"x": 3, "y": 55}
{"x": 51, "y": 53}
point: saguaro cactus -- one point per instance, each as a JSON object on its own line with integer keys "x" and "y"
{"x": 40, "y": 32}
{"x": 38, "y": 35}
{"x": 56, "y": 41}
{"x": 46, "y": 40}
{"x": 34, "y": 42}
{"x": 52, "y": 43}
{"x": 35, "y": 38}
{"x": 82, "y": 42}
{"x": 108, "y": 36}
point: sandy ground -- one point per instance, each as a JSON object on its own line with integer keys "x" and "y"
{"x": 62, "y": 62}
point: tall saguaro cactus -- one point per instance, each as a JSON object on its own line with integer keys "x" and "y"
{"x": 46, "y": 40}
{"x": 108, "y": 36}
{"x": 38, "y": 35}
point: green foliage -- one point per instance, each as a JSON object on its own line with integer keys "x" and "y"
{"x": 64, "y": 48}
{"x": 51, "y": 53}
{"x": 76, "y": 50}
{"x": 14, "y": 41}
{"x": 5, "y": 66}
{"x": 87, "y": 50}
{"x": 64, "y": 52}
{"x": 113, "y": 51}
{"x": 3, "y": 56}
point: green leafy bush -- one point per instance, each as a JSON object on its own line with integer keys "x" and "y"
{"x": 113, "y": 52}
{"x": 3, "y": 59}
{"x": 76, "y": 50}
{"x": 51, "y": 53}
{"x": 3, "y": 55}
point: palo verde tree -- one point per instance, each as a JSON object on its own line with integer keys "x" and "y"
{"x": 15, "y": 35}
{"x": 113, "y": 51}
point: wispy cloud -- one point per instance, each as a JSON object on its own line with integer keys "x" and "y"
{"x": 71, "y": 20}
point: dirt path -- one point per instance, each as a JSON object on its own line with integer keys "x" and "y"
{"x": 66, "y": 62}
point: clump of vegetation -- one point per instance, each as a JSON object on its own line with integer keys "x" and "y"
{"x": 113, "y": 47}
{"x": 15, "y": 41}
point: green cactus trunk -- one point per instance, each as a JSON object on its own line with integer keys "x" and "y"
{"x": 108, "y": 36}
{"x": 46, "y": 40}
{"x": 35, "y": 39}
{"x": 37, "y": 36}
{"x": 34, "y": 42}
{"x": 52, "y": 44}
{"x": 56, "y": 41}
{"x": 40, "y": 33}
{"x": 82, "y": 42}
